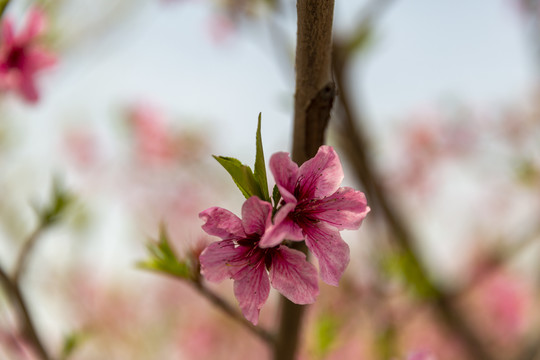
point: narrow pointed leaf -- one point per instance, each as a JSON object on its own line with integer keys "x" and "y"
{"x": 260, "y": 167}
{"x": 163, "y": 259}
{"x": 71, "y": 343}
{"x": 242, "y": 175}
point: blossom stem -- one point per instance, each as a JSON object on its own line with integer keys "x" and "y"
{"x": 29, "y": 331}
{"x": 26, "y": 250}
{"x": 220, "y": 303}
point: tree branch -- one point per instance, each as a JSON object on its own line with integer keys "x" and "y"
{"x": 314, "y": 89}
{"x": 356, "y": 148}
{"x": 29, "y": 331}
{"x": 26, "y": 250}
{"x": 313, "y": 100}
{"x": 220, "y": 303}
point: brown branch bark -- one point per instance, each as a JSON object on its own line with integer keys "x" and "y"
{"x": 313, "y": 100}
{"x": 28, "y": 329}
{"x": 26, "y": 250}
{"x": 314, "y": 88}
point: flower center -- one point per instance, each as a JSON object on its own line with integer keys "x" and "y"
{"x": 15, "y": 58}
{"x": 255, "y": 255}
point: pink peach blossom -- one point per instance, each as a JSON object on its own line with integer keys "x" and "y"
{"x": 21, "y": 57}
{"x": 238, "y": 256}
{"x": 420, "y": 355}
{"x": 315, "y": 208}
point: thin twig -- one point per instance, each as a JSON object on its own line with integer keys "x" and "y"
{"x": 501, "y": 257}
{"x": 227, "y": 308}
{"x": 26, "y": 250}
{"x": 29, "y": 331}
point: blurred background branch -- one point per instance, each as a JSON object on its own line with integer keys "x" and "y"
{"x": 12, "y": 289}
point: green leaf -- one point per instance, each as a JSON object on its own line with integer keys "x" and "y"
{"x": 276, "y": 196}
{"x": 326, "y": 333}
{"x": 362, "y": 38}
{"x": 242, "y": 175}
{"x": 163, "y": 259}
{"x": 260, "y": 167}
{"x": 61, "y": 200}
{"x": 527, "y": 172}
{"x": 385, "y": 342}
{"x": 71, "y": 343}
{"x": 402, "y": 264}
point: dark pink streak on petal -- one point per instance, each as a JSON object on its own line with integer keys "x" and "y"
{"x": 222, "y": 260}
{"x": 293, "y": 276}
{"x": 345, "y": 209}
{"x": 321, "y": 175}
{"x": 251, "y": 288}
{"x": 222, "y": 223}
{"x": 255, "y": 215}
{"x": 285, "y": 173}
{"x": 329, "y": 248}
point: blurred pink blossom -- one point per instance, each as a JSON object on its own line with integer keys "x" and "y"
{"x": 505, "y": 305}
{"x": 82, "y": 147}
{"x": 21, "y": 56}
{"x": 421, "y": 355}
{"x": 428, "y": 140}
{"x": 153, "y": 140}
{"x": 220, "y": 28}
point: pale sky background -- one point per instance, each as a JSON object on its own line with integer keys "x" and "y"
{"x": 425, "y": 52}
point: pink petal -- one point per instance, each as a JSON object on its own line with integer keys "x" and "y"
{"x": 9, "y": 79}
{"x": 293, "y": 276}
{"x": 35, "y": 24}
{"x": 329, "y": 248}
{"x": 38, "y": 59}
{"x": 321, "y": 175}
{"x": 283, "y": 228}
{"x": 251, "y": 288}
{"x": 287, "y": 196}
{"x": 285, "y": 173}
{"x": 345, "y": 209}
{"x": 8, "y": 33}
{"x": 221, "y": 260}
{"x": 27, "y": 88}
{"x": 255, "y": 215}
{"x": 222, "y": 223}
